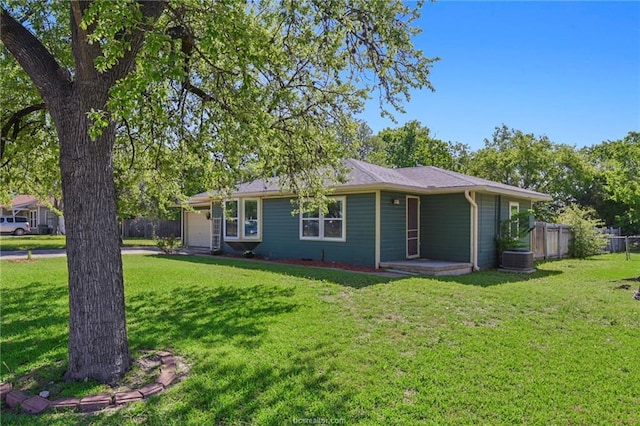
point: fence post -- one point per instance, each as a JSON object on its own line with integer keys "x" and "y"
{"x": 545, "y": 238}
{"x": 626, "y": 247}
{"x": 560, "y": 255}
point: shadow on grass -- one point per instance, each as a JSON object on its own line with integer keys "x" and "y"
{"x": 485, "y": 278}
{"x": 265, "y": 394}
{"x": 494, "y": 277}
{"x": 207, "y": 315}
{"x": 341, "y": 277}
{"x": 34, "y": 324}
{"x": 223, "y": 389}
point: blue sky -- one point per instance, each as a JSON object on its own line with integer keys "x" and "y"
{"x": 569, "y": 70}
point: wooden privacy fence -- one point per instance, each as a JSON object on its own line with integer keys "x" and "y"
{"x": 615, "y": 243}
{"x": 146, "y": 228}
{"x": 550, "y": 240}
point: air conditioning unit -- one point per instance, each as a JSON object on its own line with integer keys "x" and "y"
{"x": 517, "y": 260}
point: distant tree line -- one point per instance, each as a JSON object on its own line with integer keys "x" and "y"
{"x": 604, "y": 178}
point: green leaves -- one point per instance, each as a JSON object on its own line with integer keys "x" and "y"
{"x": 99, "y": 120}
{"x": 585, "y": 239}
{"x": 107, "y": 23}
{"x": 533, "y": 162}
{"x": 604, "y": 177}
{"x": 28, "y": 145}
{"x": 226, "y": 91}
{"x": 617, "y": 164}
{"x": 411, "y": 145}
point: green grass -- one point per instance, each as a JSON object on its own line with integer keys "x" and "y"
{"x": 40, "y": 242}
{"x": 272, "y": 344}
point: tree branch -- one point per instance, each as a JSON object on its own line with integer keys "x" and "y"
{"x": 204, "y": 96}
{"x": 151, "y": 11}
{"x": 17, "y": 116}
{"x": 47, "y": 75}
{"x": 14, "y": 123}
{"x": 84, "y": 53}
{"x": 131, "y": 141}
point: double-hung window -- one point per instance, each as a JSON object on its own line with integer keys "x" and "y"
{"x": 231, "y": 219}
{"x": 251, "y": 219}
{"x": 242, "y": 219}
{"x": 33, "y": 218}
{"x": 329, "y": 225}
{"x": 514, "y": 211}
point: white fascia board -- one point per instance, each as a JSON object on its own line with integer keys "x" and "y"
{"x": 350, "y": 189}
{"x": 457, "y": 189}
{"x": 518, "y": 194}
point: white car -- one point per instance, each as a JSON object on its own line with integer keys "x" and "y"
{"x": 16, "y": 225}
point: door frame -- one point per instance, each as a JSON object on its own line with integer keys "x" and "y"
{"x": 407, "y": 230}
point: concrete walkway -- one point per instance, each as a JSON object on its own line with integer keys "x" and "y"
{"x": 45, "y": 253}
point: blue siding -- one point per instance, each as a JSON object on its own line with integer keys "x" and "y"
{"x": 445, "y": 225}
{"x": 281, "y": 233}
{"x": 444, "y": 229}
{"x": 393, "y": 226}
{"x": 216, "y": 210}
{"x": 487, "y": 230}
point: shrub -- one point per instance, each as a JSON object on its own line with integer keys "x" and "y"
{"x": 168, "y": 245}
{"x": 586, "y": 239}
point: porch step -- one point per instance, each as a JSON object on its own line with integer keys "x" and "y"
{"x": 429, "y": 267}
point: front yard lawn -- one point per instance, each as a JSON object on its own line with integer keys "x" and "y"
{"x": 40, "y": 242}
{"x": 277, "y": 344}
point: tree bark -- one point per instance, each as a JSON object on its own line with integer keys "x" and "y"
{"x": 98, "y": 346}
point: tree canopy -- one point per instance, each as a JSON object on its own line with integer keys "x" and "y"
{"x": 151, "y": 100}
{"x": 532, "y": 162}
{"x": 217, "y": 88}
{"x": 411, "y": 145}
{"x": 604, "y": 177}
{"x": 617, "y": 174}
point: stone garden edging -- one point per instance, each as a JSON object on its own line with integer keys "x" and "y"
{"x": 15, "y": 399}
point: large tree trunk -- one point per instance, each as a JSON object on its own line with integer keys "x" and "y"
{"x": 98, "y": 346}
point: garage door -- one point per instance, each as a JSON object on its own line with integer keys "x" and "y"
{"x": 198, "y": 230}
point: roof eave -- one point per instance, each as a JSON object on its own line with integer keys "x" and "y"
{"x": 345, "y": 189}
{"x": 530, "y": 195}
{"x": 26, "y": 205}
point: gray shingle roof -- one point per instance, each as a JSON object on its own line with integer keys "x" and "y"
{"x": 427, "y": 179}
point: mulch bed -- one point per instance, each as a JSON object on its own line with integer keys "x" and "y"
{"x": 309, "y": 262}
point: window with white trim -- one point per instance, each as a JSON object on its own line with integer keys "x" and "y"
{"x": 251, "y": 218}
{"x": 242, "y": 219}
{"x": 50, "y": 218}
{"x": 231, "y": 219}
{"x": 33, "y": 218}
{"x": 329, "y": 225}
{"x": 514, "y": 210}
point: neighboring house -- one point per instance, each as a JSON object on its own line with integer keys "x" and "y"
{"x": 41, "y": 218}
{"x": 378, "y": 215}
